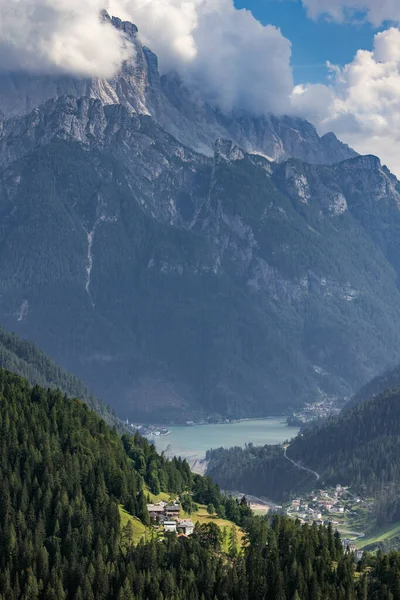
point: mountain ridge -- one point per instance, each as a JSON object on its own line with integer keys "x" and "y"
{"x": 231, "y": 258}
{"x": 194, "y": 123}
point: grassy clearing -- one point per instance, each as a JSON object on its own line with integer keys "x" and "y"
{"x": 140, "y": 531}
{"x": 162, "y": 496}
{"x": 383, "y": 534}
{"x": 202, "y": 516}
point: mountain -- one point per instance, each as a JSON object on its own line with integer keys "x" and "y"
{"x": 72, "y": 500}
{"x": 179, "y": 285}
{"x": 359, "y": 448}
{"x": 149, "y": 245}
{"x": 140, "y": 88}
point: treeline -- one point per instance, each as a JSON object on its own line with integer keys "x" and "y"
{"x": 387, "y": 380}
{"x": 282, "y": 561}
{"x": 205, "y": 491}
{"x": 260, "y": 470}
{"x": 358, "y": 448}
{"x": 63, "y": 475}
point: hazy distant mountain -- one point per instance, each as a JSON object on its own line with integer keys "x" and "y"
{"x": 179, "y": 284}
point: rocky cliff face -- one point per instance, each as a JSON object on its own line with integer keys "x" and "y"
{"x": 180, "y": 284}
{"x": 194, "y": 123}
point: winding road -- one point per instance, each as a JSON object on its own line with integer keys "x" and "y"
{"x": 299, "y": 466}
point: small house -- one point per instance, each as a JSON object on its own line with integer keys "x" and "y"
{"x": 359, "y": 554}
{"x": 173, "y": 510}
{"x": 170, "y": 526}
{"x": 186, "y": 526}
{"x": 156, "y": 508}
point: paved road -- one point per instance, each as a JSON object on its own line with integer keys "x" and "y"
{"x": 299, "y": 466}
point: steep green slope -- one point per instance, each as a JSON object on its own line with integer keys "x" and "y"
{"x": 386, "y": 537}
{"x": 359, "y": 448}
{"x": 63, "y": 473}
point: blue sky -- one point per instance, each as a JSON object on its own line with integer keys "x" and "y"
{"x": 313, "y": 42}
{"x": 360, "y": 101}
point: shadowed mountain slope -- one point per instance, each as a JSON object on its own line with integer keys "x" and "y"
{"x": 178, "y": 284}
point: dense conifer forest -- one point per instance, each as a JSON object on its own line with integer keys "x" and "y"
{"x": 63, "y": 475}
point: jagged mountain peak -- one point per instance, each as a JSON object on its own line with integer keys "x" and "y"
{"x": 126, "y": 26}
{"x": 193, "y": 122}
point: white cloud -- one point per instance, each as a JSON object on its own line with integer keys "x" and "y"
{"x": 225, "y": 53}
{"x": 374, "y": 11}
{"x": 61, "y": 35}
{"x": 361, "y": 104}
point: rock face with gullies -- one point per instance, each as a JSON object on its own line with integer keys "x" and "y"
{"x": 196, "y": 124}
{"x": 180, "y": 284}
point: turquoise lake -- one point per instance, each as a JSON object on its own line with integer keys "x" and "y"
{"x": 193, "y": 442}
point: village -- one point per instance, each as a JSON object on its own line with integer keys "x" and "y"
{"x": 167, "y": 516}
{"x": 337, "y": 506}
{"x": 149, "y": 430}
{"x": 324, "y": 407}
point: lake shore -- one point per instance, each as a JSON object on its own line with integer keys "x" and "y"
{"x": 192, "y": 441}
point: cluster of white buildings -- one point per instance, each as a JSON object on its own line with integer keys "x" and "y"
{"x": 180, "y": 526}
{"x": 321, "y": 506}
{"x": 168, "y": 515}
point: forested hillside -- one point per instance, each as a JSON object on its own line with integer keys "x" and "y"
{"x": 24, "y": 358}
{"x": 64, "y": 474}
{"x": 389, "y": 379}
{"x": 359, "y": 448}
